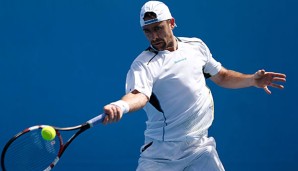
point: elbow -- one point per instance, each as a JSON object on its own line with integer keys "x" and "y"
{"x": 220, "y": 78}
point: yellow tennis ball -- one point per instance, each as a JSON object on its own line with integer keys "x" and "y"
{"x": 48, "y": 133}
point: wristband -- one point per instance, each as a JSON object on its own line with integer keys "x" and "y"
{"x": 122, "y": 105}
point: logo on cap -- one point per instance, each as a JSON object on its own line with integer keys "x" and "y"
{"x": 160, "y": 9}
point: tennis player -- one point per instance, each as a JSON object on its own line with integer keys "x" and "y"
{"x": 168, "y": 80}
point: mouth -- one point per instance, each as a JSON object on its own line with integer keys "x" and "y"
{"x": 157, "y": 43}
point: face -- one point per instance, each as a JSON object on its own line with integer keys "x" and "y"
{"x": 160, "y": 35}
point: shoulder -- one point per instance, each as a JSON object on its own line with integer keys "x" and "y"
{"x": 193, "y": 41}
{"x": 189, "y": 39}
{"x": 146, "y": 56}
{"x": 196, "y": 43}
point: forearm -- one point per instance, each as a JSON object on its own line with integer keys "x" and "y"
{"x": 232, "y": 79}
{"x": 135, "y": 100}
{"x": 130, "y": 102}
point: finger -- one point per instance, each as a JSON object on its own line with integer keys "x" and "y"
{"x": 261, "y": 72}
{"x": 119, "y": 116}
{"x": 117, "y": 113}
{"x": 112, "y": 116}
{"x": 277, "y": 74}
{"x": 279, "y": 79}
{"x": 276, "y": 85}
{"x": 106, "y": 120}
{"x": 267, "y": 90}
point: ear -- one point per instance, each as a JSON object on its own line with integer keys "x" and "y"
{"x": 172, "y": 23}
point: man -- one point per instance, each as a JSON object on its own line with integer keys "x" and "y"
{"x": 168, "y": 81}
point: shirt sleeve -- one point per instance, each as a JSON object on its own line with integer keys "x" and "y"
{"x": 139, "y": 78}
{"x": 211, "y": 67}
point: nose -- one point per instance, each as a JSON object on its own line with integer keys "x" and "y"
{"x": 154, "y": 36}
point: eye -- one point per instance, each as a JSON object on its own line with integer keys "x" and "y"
{"x": 157, "y": 28}
{"x": 146, "y": 31}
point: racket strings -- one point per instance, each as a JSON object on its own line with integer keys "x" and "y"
{"x": 31, "y": 152}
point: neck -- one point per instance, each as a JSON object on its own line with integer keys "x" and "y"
{"x": 173, "y": 45}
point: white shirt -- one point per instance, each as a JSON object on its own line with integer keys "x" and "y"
{"x": 175, "y": 83}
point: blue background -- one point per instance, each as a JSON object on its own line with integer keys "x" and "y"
{"x": 62, "y": 61}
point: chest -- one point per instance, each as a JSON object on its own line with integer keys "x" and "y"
{"x": 182, "y": 65}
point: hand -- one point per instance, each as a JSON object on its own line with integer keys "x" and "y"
{"x": 113, "y": 113}
{"x": 264, "y": 79}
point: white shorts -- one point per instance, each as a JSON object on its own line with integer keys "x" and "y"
{"x": 191, "y": 155}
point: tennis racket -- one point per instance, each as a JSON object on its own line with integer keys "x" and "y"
{"x": 28, "y": 151}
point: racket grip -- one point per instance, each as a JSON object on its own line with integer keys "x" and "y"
{"x": 96, "y": 120}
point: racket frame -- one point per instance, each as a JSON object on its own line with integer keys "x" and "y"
{"x": 62, "y": 146}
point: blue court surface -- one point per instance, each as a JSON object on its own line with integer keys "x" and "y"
{"x": 62, "y": 61}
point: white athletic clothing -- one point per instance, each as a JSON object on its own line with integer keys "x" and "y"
{"x": 190, "y": 155}
{"x": 175, "y": 83}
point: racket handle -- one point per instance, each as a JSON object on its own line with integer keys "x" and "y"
{"x": 96, "y": 120}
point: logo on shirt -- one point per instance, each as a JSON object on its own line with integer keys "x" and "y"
{"x": 180, "y": 60}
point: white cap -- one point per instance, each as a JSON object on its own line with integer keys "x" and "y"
{"x": 160, "y": 9}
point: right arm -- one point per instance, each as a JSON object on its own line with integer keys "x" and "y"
{"x": 135, "y": 101}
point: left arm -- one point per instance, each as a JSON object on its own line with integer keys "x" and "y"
{"x": 261, "y": 79}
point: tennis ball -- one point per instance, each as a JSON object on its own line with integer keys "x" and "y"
{"x": 48, "y": 133}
